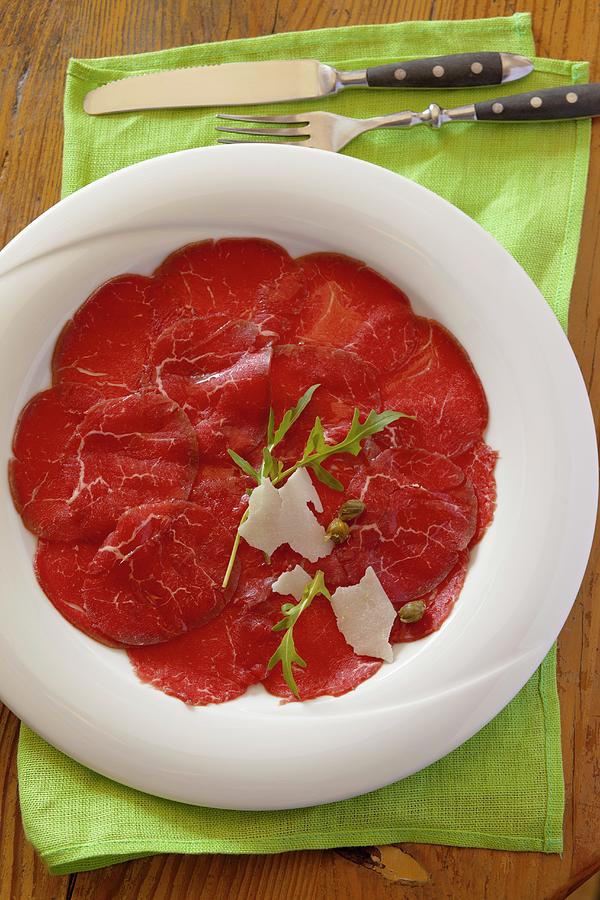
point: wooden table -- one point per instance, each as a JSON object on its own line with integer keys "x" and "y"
{"x": 35, "y": 41}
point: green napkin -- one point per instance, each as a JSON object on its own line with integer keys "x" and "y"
{"x": 525, "y": 184}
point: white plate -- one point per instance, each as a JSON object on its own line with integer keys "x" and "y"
{"x": 84, "y": 698}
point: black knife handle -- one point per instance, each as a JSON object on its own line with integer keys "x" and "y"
{"x": 573, "y": 101}
{"x": 459, "y": 70}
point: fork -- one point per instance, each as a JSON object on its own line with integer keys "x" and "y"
{"x": 328, "y": 131}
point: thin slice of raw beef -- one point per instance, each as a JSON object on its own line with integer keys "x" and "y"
{"x": 45, "y": 426}
{"x": 197, "y": 346}
{"x": 439, "y": 386}
{"x": 159, "y": 573}
{"x": 222, "y": 490}
{"x": 74, "y": 474}
{"x": 352, "y": 307}
{"x": 61, "y": 569}
{"x": 217, "y": 661}
{"x": 106, "y": 342}
{"x": 439, "y": 604}
{"x": 219, "y": 378}
{"x": 241, "y": 278}
{"x": 346, "y": 383}
{"x": 421, "y": 512}
{"x": 332, "y": 668}
{"x": 479, "y": 463}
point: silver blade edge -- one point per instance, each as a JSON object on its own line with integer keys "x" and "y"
{"x": 228, "y": 84}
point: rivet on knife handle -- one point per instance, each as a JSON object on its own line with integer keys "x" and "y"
{"x": 458, "y": 70}
{"x": 573, "y": 101}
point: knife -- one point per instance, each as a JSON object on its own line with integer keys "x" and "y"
{"x": 273, "y": 81}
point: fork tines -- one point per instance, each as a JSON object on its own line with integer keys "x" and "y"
{"x": 299, "y": 131}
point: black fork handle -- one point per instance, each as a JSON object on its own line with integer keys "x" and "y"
{"x": 575, "y": 101}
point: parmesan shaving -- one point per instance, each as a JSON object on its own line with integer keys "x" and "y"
{"x": 292, "y": 583}
{"x": 262, "y": 527}
{"x": 281, "y": 516}
{"x": 365, "y": 616}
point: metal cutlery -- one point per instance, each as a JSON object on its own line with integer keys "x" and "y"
{"x": 272, "y": 81}
{"x": 327, "y": 131}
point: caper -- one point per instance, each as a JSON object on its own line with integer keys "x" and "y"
{"x": 338, "y": 531}
{"x": 412, "y": 612}
{"x": 351, "y": 509}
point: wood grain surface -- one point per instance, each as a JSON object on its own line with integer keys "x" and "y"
{"x": 36, "y": 38}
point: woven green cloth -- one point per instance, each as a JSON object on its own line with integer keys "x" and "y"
{"x": 525, "y": 184}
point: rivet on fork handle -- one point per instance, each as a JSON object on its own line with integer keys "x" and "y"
{"x": 459, "y": 114}
{"x": 435, "y": 116}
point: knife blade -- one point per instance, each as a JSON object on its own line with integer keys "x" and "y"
{"x": 274, "y": 81}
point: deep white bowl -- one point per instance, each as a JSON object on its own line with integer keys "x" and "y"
{"x": 85, "y": 699}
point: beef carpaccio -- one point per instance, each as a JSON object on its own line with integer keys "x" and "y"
{"x": 121, "y": 467}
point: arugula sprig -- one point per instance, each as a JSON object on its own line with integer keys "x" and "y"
{"x": 316, "y": 451}
{"x": 286, "y": 653}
